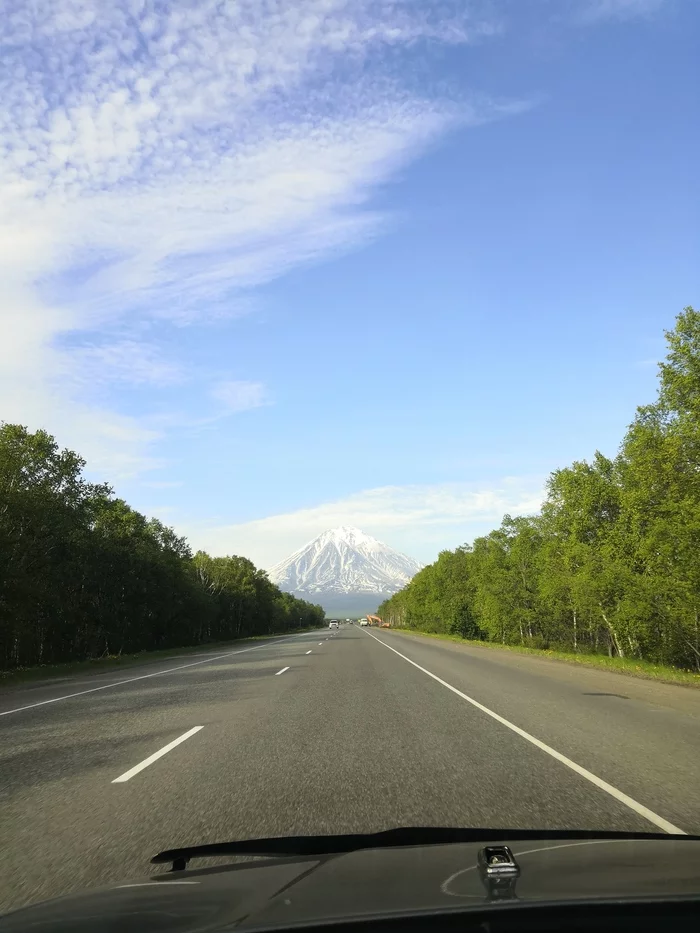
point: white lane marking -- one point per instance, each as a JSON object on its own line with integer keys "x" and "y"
{"x": 282, "y": 671}
{"x": 155, "y": 756}
{"x": 588, "y": 775}
{"x": 308, "y": 652}
{"x": 157, "y": 884}
{"x": 131, "y": 680}
{"x": 320, "y": 643}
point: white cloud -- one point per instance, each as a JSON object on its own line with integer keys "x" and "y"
{"x": 156, "y": 161}
{"x": 238, "y": 395}
{"x": 125, "y": 360}
{"x": 595, "y": 11}
{"x": 420, "y": 520}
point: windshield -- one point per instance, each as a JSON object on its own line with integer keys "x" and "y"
{"x": 318, "y": 307}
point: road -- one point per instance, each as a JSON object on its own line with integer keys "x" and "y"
{"x": 357, "y": 731}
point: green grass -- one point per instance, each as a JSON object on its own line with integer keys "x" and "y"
{"x": 114, "y": 662}
{"x": 630, "y": 666}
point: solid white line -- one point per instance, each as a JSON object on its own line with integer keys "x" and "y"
{"x": 131, "y": 680}
{"x": 308, "y": 652}
{"x": 320, "y": 643}
{"x": 151, "y": 758}
{"x": 588, "y": 775}
{"x": 154, "y": 884}
{"x": 282, "y": 671}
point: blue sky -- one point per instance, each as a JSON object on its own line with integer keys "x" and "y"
{"x": 274, "y": 267}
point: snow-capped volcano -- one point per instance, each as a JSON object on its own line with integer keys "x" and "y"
{"x": 344, "y": 561}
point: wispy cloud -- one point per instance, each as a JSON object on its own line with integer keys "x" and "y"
{"x": 134, "y": 362}
{"x": 238, "y": 395}
{"x": 595, "y": 11}
{"x": 419, "y": 520}
{"x": 159, "y": 159}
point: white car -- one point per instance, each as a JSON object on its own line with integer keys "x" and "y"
{"x": 333, "y": 623}
{"x": 364, "y": 622}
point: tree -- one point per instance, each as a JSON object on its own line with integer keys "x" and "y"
{"x": 82, "y": 574}
{"x": 611, "y": 563}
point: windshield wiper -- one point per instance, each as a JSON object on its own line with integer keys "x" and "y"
{"x": 402, "y": 836}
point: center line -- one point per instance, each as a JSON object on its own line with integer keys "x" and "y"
{"x": 308, "y": 652}
{"x": 282, "y": 671}
{"x": 159, "y": 754}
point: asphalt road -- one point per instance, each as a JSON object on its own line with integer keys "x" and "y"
{"x": 357, "y": 731}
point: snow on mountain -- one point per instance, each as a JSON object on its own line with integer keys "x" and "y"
{"x": 344, "y": 560}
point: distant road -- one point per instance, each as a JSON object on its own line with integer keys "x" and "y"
{"x": 319, "y": 733}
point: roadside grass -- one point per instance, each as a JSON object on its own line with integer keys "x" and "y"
{"x": 116, "y": 662}
{"x": 630, "y": 666}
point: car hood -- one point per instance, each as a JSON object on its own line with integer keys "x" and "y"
{"x": 276, "y": 893}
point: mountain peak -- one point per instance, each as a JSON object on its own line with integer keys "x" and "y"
{"x": 342, "y": 531}
{"x": 344, "y": 560}
{"x": 349, "y": 535}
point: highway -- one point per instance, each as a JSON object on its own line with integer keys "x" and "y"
{"x": 356, "y": 731}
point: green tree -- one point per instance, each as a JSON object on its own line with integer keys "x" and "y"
{"x": 610, "y": 564}
{"x": 82, "y": 574}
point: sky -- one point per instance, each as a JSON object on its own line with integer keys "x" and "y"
{"x": 273, "y": 267}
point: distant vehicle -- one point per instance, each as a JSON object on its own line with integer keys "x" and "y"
{"x": 363, "y": 622}
{"x": 334, "y": 624}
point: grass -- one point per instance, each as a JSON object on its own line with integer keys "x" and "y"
{"x": 630, "y": 666}
{"x": 115, "y": 662}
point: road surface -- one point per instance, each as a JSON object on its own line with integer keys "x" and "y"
{"x": 349, "y": 732}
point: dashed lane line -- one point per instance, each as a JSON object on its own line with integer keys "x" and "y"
{"x": 127, "y": 776}
{"x": 131, "y": 680}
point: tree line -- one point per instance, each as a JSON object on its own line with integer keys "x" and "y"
{"x": 611, "y": 564}
{"x": 83, "y": 575}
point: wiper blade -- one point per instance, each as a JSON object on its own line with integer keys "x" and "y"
{"x": 402, "y": 836}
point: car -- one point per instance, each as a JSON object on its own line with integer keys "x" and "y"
{"x": 333, "y": 624}
{"x": 490, "y": 879}
{"x": 364, "y": 622}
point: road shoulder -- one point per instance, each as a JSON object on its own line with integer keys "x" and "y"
{"x": 677, "y": 697}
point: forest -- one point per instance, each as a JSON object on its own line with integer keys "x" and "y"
{"x": 611, "y": 564}
{"x": 83, "y": 575}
